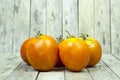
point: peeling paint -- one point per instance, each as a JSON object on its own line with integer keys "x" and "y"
{"x": 36, "y": 16}
{"x": 16, "y": 6}
{"x": 104, "y": 40}
{"x": 53, "y": 16}
{"x": 98, "y": 23}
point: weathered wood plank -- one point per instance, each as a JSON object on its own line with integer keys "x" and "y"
{"x": 38, "y": 16}
{"x": 70, "y": 17}
{"x": 6, "y": 25}
{"x": 115, "y": 28}
{"x": 102, "y": 72}
{"x": 86, "y": 17}
{"x": 102, "y": 24}
{"x": 83, "y": 75}
{"x": 55, "y": 74}
{"x": 7, "y": 64}
{"x": 21, "y": 23}
{"x": 23, "y": 72}
{"x": 54, "y": 18}
{"x": 112, "y": 63}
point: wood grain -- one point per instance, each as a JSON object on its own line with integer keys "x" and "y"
{"x": 8, "y": 64}
{"x": 70, "y": 17}
{"x": 23, "y": 72}
{"x": 6, "y": 26}
{"x": 56, "y": 73}
{"x": 21, "y": 23}
{"x": 86, "y": 17}
{"x": 54, "y": 18}
{"x": 102, "y": 72}
{"x": 83, "y": 75}
{"x": 115, "y": 28}
{"x": 38, "y": 17}
{"x": 102, "y": 24}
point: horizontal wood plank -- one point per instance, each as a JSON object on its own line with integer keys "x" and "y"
{"x": 55, "y": 74}
{"x": 83, "y": 75}
{"x": 12, "y": 68}
{"x": 23, "y": 72}
{"x": 102, "y": 72}
{"x": 113, "y": 63}
{"x": 7, "y": 64}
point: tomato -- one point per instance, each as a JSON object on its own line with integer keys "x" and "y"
{"x": 23, "y": 50}
{"x": 95, "y": 51}
{"x": 74, "y": 53}
{"x": 42, "y": 52}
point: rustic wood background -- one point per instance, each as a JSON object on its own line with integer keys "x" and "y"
{"x": 20, "y": 19}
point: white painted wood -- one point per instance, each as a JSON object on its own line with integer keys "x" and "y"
{"x": 7, "y": 64}
{"x": 70, "y": 17}
{"x": 21, "y": 23}
{"x": 112, "y": 63}
{"x": 55, "y": 74}
{"x": 102, "y": 24}
{"x": 83, "y": 75}
{"x": 23, "y": 72}
{"x": 86, "y": 17}
{"x": 115, "y": 28}
{"x": 54, "y": 18}
{"x": 102, "y": 72}
{"x": 38, "y": 17}
{"x": 6, "y": 25}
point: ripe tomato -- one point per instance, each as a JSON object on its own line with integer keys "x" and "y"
{"x": 23, "y": 50}
{"x": 42, "y": 52}
{"x": 95, "y": 51}
{"x": 74, "y": 53}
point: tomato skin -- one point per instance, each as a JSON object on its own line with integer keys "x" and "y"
{"x": 74, "y": 53}
{"x": 23, "y": 50}
{"x": 95, "y": 51}
{"x": 42, "y": 53}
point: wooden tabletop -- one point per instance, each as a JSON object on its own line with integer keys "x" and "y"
{"x": 13, "y": 68}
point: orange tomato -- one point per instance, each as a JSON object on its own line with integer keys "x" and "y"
{"x": 95, "y": 51}
{"x": 42, "y": 52}
{"x": 74, "y": 53}
{"x": 23, "y": 50}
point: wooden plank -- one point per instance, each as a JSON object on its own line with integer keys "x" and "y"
{"x": 115, "y": 28}
{"x": 83, "y": 75}
{"x": 38, "y": 17}
{"x": 102, "y": 24}
{"x": 56, "y": 73}
{"x": 112, "y": 63}
{"x": 54, "y": 18}
{"x": 86, "y": 17}
{"x": 21, "y": 23}
{"x": 70, "y": 17}
{"x": 102, "y": 72}
{"x": 23, "y": 72}
{"x": 8, "y": 64}
{"x": 6, "y": 25}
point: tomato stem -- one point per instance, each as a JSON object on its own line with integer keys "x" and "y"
{"x": 84, "y": 36}
{"x": 60, "y": 38}
{"x": 38, "y": 34}
{"x": 69, "y": 35}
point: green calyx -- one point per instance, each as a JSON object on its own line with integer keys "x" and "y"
{"x": 38, "y": 34}
{"x": 84, "y": 36}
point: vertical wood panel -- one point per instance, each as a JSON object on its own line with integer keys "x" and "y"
{"x": 102, "y": 24}
{"x": 86, "y": 17}
{"x": 21, "y": 23}
{"x": 115, "y": 27}
{"x": 70, "y": 17}
{"x": 54, "y": 17}
{"x": 38, "y": 16}
{"x": 6, "y": 25}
